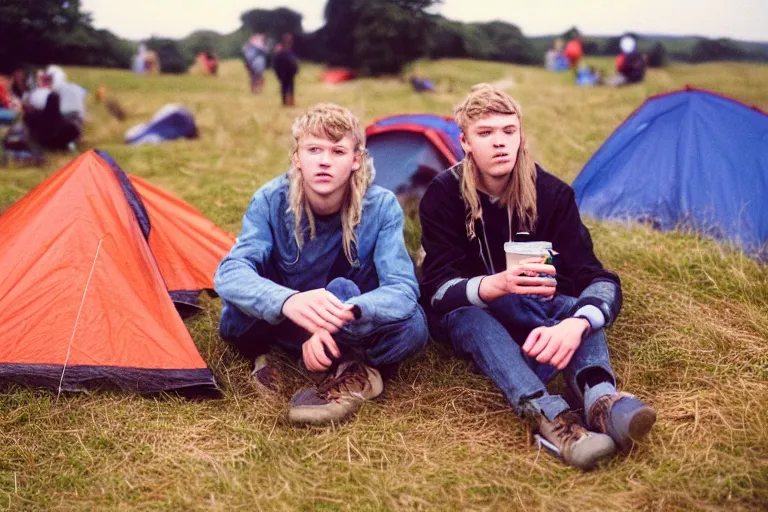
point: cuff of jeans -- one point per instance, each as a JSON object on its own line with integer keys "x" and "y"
{"x": 591, "y": 314}
{"x": 473, "y": 292}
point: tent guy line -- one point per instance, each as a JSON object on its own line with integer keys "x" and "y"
{"x": 77, "y": 318}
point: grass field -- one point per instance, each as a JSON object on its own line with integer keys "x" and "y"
{"x": 692, "y": 340}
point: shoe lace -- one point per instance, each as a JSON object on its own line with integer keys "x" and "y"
{"x": 352, "y": 376}
{"x": 568, "y": 428}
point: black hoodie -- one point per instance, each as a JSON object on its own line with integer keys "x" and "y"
{"x": 452, "y": 260}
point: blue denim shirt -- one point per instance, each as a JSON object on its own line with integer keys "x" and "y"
{"x": 265, "y": 266}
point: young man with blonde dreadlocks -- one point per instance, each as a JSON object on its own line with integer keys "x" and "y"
{"x": 522, "y": 323}
{"x": 320, "y": 269}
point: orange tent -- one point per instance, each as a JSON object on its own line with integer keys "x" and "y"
{"x": 87, "y": 268}
{"x": 337, "y": 75}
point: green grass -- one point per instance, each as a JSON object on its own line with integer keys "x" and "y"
{"x": 691, "y": 340}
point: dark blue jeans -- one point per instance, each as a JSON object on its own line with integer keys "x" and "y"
{"x": 385, "y": 345}
{"x": 493, "y": 337}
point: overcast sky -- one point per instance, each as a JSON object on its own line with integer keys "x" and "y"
{"x": 738, "y": 19}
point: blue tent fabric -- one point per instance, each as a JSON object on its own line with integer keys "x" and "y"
{"x": 169, "y": 123}
{"x": 447, "y": 126}
{"x": 689, "y": 159}
{"x": 396, "y": 154}
{"x": 405, "y": 154}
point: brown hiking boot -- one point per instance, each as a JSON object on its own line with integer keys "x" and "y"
{"x": 576, "y": 445}
{"x": 339, "y": 395}
{"x": 623, "y": 417}
{"x": 264, "y": 374}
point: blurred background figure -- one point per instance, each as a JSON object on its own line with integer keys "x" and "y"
{"x": 554, "y": 59}
{"x": 54, "y": 111}
{"x": 587, "y": 75}
{"x": 630, "y": 64}
{"x": 138, "y": 59}
{"x": 420, "y": 83}
{"x": 151, "y": 62}
{"x": 574, "y": 52}
{"x": 206, "y": 63}
{"x": 255, "y": 53}
{"x": 286, "y": 66}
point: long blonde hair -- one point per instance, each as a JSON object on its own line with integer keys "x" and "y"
{"x": 520, "y": 197}
{"x": 331, "y": 122}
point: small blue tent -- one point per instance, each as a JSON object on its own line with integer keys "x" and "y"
{"x": 409, "y": 150}
{"x": 171, "y": 122}
{"x": 688, "y": 159}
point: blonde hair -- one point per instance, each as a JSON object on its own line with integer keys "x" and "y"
{"x": 332, "y": 122}
{"x": 520, "y": 197}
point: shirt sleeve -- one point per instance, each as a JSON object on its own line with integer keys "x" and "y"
{"x": 443, "y": 236}
{"x": 240, "y": 277}
{"x": 398, "y": 292}
{"x": 595, "y": 285}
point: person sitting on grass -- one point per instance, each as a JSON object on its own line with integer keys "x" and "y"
{"x": 522, "y": 324}
{"x": 320, "y": 269}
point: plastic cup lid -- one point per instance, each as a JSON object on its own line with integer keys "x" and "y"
{"x": 532, "y": 248}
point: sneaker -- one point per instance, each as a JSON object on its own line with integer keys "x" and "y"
{"x": 264, "y": 374}
{"x": 623, "y": 417}
{"x": 577, "y": 446}
{"x": 339, "y": 395}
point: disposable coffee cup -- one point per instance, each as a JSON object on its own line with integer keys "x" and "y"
{"x": 517, "y": 251}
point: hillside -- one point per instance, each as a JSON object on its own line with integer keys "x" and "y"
{"x": 691, "y": 338}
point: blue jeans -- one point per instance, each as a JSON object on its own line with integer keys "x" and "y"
{"x": 492, "y": 338}
{"x": 385, "y": 345}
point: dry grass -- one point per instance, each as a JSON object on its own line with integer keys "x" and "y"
{"x": 691, "y": 340}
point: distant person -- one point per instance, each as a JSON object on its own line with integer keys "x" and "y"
{"x": 54, "y": 114}
{"x": 9, "y": 106}
{"x": 320, "y": 270}
{"x": 20, "y": 83}
{"x": 286, "y": 66}
{"x": 151, "y": 62}
{"x": 421, "y": 84}
{"x": 255, "y": 54}
{"x": 587, "y": 76}
{"x": 630, "y": 64}
{"x": 212, "y": 63}
{"x": 554, "y": 59}
{"x": 574, "y": 52}
{"x": 139, "y": 64}
{"x": 522, "y": 320}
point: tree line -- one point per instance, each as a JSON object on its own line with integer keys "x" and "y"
{"x": 371, "y": 36}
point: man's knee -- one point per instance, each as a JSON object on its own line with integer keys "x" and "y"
{"x": 466, "y": 325}
{"x": 343, "y": 288}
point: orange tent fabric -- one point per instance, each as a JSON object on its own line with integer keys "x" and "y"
{"x": 337, "y": 75}
{"x": 83, "y": 302}
{"x": 187, "y": 246}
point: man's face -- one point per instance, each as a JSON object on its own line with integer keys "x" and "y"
{"x": 493, "y": 141}
{"x": 325, "y": 165}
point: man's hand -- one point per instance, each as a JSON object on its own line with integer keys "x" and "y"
{"x": 317, "y": 310}
{"x": 313, "y": 351}
{"x": 556, "y": 345}
{"x": 522, "y": 279}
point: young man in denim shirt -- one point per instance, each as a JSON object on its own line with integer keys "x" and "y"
{"x": 320, "y": 269}
{"x": 518, "y": 323}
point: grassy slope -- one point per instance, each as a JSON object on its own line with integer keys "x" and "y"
{"x": 691, "y": 340}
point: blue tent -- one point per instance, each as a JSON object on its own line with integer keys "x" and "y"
{"x": 171, "y": 122}
{"x": 689, "y": 159}
{"x": 409, "y": 150}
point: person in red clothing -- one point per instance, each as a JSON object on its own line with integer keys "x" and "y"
{"x": 574, "y": 52}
